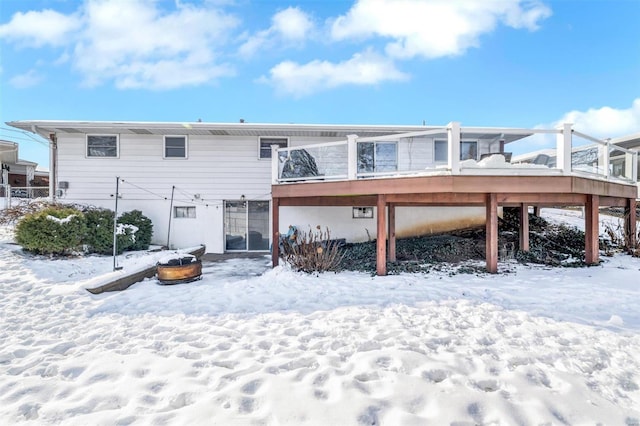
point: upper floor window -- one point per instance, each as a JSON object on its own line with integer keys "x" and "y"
{"x": 265, "y": 145}
{"x": 175, "y": 147}
{"x": 102, "y": 146}
{"x": 377, "y": 157}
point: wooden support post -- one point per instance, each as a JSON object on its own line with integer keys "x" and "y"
{"x": 536, "y": 211}
{"x": 392, "y": 232}
{"x": 630, "y": 228}
{"x": 492, "y": 233}
{"x": 275, "y": 232}
{"x": 381, "y": 239}
{"x": 591, "y": 230}
{"x": 524, "y": 227}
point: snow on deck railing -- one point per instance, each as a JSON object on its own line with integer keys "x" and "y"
{"x": 438, "y": 151}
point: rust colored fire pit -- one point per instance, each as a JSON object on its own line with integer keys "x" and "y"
{"x": 179, "y": 269}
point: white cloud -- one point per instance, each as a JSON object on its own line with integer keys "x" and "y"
{"x": 133, "y": 43}
{"x": 23, "y": 81}
{"x": 362, "y": 69}
{"x": 289, "y": 26}
{"x": 605, "y": 122}
{"x": 434, "y": 28}
{"x": 37, "y": 29}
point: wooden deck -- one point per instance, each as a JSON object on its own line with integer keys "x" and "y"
{"x": 463, "y": 190}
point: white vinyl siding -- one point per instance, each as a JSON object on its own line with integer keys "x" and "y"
{"x": 102, "y": 146}
{"x": 175, "y": 147}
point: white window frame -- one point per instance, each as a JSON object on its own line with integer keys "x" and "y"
{"x": 86, "y": 146}
{"x": 260, "y": 138}
{"x": 435, "y": 141}
{"x": 187, "y": 209}
{"x": 186, "y": 147}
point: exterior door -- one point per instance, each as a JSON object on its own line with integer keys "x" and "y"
{"x": 246, "y": 225}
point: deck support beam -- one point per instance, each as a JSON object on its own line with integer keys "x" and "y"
{"x": 381, "y": 239}
{"x": 524, "y": 227}
{"x": 630, "y": 228}
{"x": 492, "y": 233}
{"x": 591, "y": 230}
{"x": 275, "y": 232}
{"x": 392, "y": 232}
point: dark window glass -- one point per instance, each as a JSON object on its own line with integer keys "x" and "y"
{"x": 102, "y": 146}
{"x": 265, "y": 145}
{"x": 175, "y": 147}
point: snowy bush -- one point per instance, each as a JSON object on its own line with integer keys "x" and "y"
{"x": 52, "y": 231}
{"x": 99, "y": 236}
{"x": 312, "y": 251}
{"x": 144, "y": 228}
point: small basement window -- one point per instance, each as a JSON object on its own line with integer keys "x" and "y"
{"x": 102, "y": 146}
{"x": 175, "y": 147}
{"x": 188, "y": 212}
{"x": 265, "y": 145}
{"x": 363, "y": 212}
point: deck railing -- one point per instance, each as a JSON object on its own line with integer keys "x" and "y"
{"x": 443, "y": 150}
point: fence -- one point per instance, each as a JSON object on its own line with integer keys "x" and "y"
{"x": 12, "y": 195}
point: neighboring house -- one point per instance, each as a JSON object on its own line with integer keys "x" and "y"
{"x": 20, "y": 175}
{"x": 216, "y": 183}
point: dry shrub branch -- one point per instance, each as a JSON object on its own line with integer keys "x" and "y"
{"x": 620, "y": 240}
{"x": 312, "y": 251}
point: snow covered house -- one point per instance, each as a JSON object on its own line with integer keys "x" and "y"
{"x": 235, "y": 186}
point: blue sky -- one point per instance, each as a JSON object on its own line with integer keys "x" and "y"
{"x": 506, "y": 63}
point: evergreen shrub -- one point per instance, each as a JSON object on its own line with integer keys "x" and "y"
{"x": 144, "y": 233}
{"x": 52, "y": 231}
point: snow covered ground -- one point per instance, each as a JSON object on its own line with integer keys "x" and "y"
{"x": 250, "y": 345}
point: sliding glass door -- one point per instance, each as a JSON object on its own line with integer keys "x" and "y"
{"x": 246, "y": 225}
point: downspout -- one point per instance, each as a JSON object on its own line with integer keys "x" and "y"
{"x": 53, "y": 166}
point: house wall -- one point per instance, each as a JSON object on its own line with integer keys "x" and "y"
{"x": 410, "y": 221}
{"x": 220, "y": 168}
{"x": 217, "y": 168}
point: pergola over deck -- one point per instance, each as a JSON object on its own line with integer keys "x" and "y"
{"x": 453, "y": 186}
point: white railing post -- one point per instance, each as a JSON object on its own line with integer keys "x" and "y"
{"x": 631, "y": 166}
{"x": 605, "y": 158}
{"x": 453, "y": 147}
{"x": 352, "y": 157}
{"x": 275, "y": 170}
{"x": 563, "y": 148}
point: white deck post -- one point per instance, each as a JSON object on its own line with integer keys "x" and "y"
{"x": 352, "y": 157}
{"x": 563, "y": 148}
{"x": 605, "y": 158}
{"x": 274, "y": 165}
{"x": 631, "y": 166}
{"x": 453, "y": 147}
